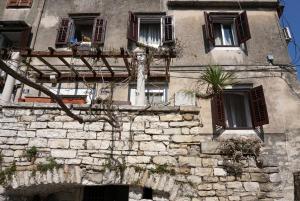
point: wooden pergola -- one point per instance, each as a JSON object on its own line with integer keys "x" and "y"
{"x": 90, "y": 72}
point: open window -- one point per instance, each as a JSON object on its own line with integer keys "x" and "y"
{"x": 151, "y": 29}
{"x": 14, "y": 34}
{"x": 19, "y": 3}
{"x": 156, "y": 94}
{"x": 226, "y": 29}
{"x": 240, "y": 108}
{"x": 81, "y": 29}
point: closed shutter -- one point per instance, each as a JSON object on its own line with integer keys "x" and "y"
{"x": 242, "y": 27}
{"x": 168, "y": 32}
{"x": 258, "y": 107}
{"x": 12, "y": 3}
{"x": 64, "y": 31}
{"x": 99, "y": 30}
{"x": 25, "y": 3}
{"x": 209, "y": 28}
{"x": 132, "y": 27}
{"x": 218, "y": 109}
{"x": 25, "y": 38}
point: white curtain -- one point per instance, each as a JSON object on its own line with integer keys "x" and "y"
{"x": 150, "y": 33}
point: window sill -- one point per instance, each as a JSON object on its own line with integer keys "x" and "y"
{"x": 247, "y": 133}
{"x": 227, "y": 48}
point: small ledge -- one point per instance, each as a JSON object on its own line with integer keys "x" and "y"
{"x": 55, "y": 106}
{"x": 226, "y": 134}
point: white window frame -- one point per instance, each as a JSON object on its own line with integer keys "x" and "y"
{"x": 133, "y": 93}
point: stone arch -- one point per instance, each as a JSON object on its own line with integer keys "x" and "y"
{"x": 23, "y": 181}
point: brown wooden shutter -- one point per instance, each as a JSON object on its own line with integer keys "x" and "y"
{"x": 242, "y": 27}
{"x": 64, "y": 31}
{"x": 25, "y": 3}
{"x": 168, "y": 32}
{"x": 25, "y": 38}
{"x": 218, "y": 109}
{"x": 258, "y": 107}
{"x": 12, "y": 3}
{"x": 99, "y": 30}
{"x": 209, "y": 28}
{"x": 132, "y": 27}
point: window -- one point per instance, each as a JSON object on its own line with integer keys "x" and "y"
{"x": 147, "y": 193}
{"x": 226, "y": 29}
{"x": 106, "y": 193}
{"x": 240, "y": 108}
{"x": 14, "y": 34}
{"x": 297, "y": 186}
{"x": 81, "y": 29}
{"x": 155, "y": 94}
{"x": 151, "y": 29}
{"x": 19, "y": 3}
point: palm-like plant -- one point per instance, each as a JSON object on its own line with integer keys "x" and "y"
{"x": 216, "y": 79}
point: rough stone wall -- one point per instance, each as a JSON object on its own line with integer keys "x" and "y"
{"x": 147, "y": 141}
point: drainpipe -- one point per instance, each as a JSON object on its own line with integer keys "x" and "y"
{"x": 140, "y": 86}
{"x": 10, "y": 81}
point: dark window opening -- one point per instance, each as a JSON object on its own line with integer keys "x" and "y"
{"x": 147, "y": 193}
{"x": 83, "y": 30}
{"x": 297, "y": 186}
{"x": 19, "y": 3}
{"x": 106, "y": 193}
{"x": 14, "y": 35}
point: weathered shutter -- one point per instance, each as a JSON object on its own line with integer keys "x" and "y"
{"x": 242, "y": 27}
{"x": 258, "y": 107}
{"x": 168, "y": 32}
{"x": 209, "y": 28}
{"x": 25, "y": 38}
{"x": 25, "y": 3}
{"x": 99, "y": 30}
{"x": 132, "y": 27}
{"x": 12, "y": 3}
{"x": 64, "y": 31}
{"x": 218, "y": 109}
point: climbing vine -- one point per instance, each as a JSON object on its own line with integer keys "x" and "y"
{"x": 235, "y": 150}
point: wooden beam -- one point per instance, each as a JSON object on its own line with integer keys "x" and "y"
{"x": 32, "y": 67}
{"x": 88, "y": 65}
{"x": 68, "y": 65}
{"x": 125, "y": 60}
{"x": 107, "y": 65}
{"x": 49, "y": 65}
{"x": 78, "y": 54}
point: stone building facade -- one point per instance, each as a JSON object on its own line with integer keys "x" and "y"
{"x": 169, "y": 149}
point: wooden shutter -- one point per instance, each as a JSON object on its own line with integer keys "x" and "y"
{"x": 218, "y": 109}
{"x": 12, "y": 3}
{"x": 99, "y": 30}
{"x": 132, "y": 27}
{"x": 25, "y": 38}
{"x": 258, "y": 107}
{"x": 209, "y": 28}
{"x": 64, "y": 31}
{"x": 168, "y": 32}
{"x": 25, "y": 3}
{"x": 242, "y": 27}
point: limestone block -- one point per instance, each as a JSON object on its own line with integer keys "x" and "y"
{"x": 142, "y": 137}
{"x": 26, "y": 134}
{"x": 161, "y": 137}
{"x": 251, "y": 186}
{"x": 209, "y": 162}
{"x": 153, "y": 131}
{"x": 97, "y": 144}
{"x": 219, "y": 186}
{"x": 235, "y": 185}
{"x": 9, "y": 120}
{"x": 185, "y": 138}
{"x": 134, "y": 126}
{"x": 209, "y": 147}
{"x": 20, "y": 141}
{"x": 152, "y": 146}
{"x": 38, "y": 125}
{"x": 58, "y": 143}
{"x": 172, "y": 131}
{"x": 94, "y": 126}
{"x": 63, "y": 153}
{"x": 28, "y": 118}
{"x": 170, "y": 117}
{"x": 219, "y": 172}
{"x": 73, "y": 125}
{"x": 37, "y": 142}
{"x": 51, "y": 133}
{"x": 73, "y": 161}
{"x": 81, "y": 135}
{"x": 208, "y": 193}
{"x": 205, "y": 187}
{"x": 63, "y": 118}
{"x": 211, "y": 199}
{"x": 194, "y": 179}
{"x": 45, "y": 117}
{"x": 138, "y": 159}
{"x": 159, "y": 125}
{"x": 55, "y": 124}
{"x": 161, "y": 160}
{"x": 77, "y": 144}
{"x": 143, "y": 118}
{"x": 234, "y": 198}
{"x": 203, "y": 171}
{"x": 8, "y": 133}
{"x": 188, "y": 124}
{"x": 190, "y": 161}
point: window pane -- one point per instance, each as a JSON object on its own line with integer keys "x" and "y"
{"x": 228, "y": 35}
{"x": 218, "y": 34}
{"x": 150, "y": 33}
